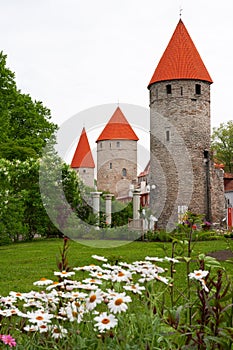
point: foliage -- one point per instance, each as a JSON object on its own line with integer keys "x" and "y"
{"x": 22, "y": 206}
{"x": 222, "y": 145}
{"x": 151, "y": 311}
{"x": 25, "y": 125}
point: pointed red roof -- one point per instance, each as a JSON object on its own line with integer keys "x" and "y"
{"x": 117, "y": 128}
{"x": 82, "y": 156}
{"x": 181, "y": 59}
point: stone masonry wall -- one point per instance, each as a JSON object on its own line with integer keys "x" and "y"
{"x": 180, "y": 135}
{"x": 86, "y": 175}
{"x": 112, "y": 157}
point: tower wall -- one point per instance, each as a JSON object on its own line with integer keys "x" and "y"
{"x": 180, "y": 144}
{"x": 112, "y": 157}
{"x": 86, "y": 175}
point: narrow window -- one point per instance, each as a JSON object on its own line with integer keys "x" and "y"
{"x": 156, "y": 94}
{"x": 198, "y": 89}
{"x": 110, "y": 166}
{"x": 84, "y": 170}
{"x": 169, "y": 89}
{"x": 124, "y": 172}
{"x": 167, "y": 135}
{"x": 181, "y": 90}
{"x": 110, "y": 145}
{"x": 101, "y": 145}
{"x": 118, "y": 144}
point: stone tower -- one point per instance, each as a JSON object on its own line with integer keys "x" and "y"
{"x": 117, "y": 156}
{"x": 181, "y": 169}
{"x": 83, "y": 161}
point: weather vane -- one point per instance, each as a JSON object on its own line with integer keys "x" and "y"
{"x": 181, "y": 11}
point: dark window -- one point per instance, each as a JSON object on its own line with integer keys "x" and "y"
{"x": 198, "y": 89}
{"x": 169, "y": 89}
{"x": 110, "y": 166}
{"x": 101, "y": 145}
{"x": 110, "y": 145}
{"x": 84, "y": 170}
{"x": 167, "y": 135}
{"x": 124, "y": 172}
{"x": 118, "y": 144}
{"x": 156, "y": 93}
{"x": 181, "y": 90}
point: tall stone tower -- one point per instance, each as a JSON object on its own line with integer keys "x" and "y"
{"x": 83, "y": 161}
{"x": 181, "y": 169}
{"x": 116, "y": 156}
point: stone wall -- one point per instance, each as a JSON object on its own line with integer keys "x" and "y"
{"x": 116, "y": 166}
{"x": 86, "y": 175}
{"x": 180, "y": 142}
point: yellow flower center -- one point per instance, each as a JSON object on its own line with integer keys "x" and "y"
{"x": 105, "y": 321}
{"x": 121, "y": 274}
{"x": 92, "y": 298}
{"x": 43, "y": 279}
{"x": 118, "y": 301}
{"x": 39, "y": 318}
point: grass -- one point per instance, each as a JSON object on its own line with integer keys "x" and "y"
{"x": 23, "y": 263}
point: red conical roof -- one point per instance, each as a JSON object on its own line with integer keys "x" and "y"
{"x": 117, "y": 128}
{"x": 82, "y": 156}
{"x": 181, "y": 59}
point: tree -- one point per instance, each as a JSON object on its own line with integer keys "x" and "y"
{"x": 25, "y": 125}
{"x": 222, "y": 145}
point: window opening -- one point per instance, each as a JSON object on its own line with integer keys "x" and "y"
{"x": 124, "y": 172}
{"x": 169, "y": 89}
{"x": 198, "y": 89}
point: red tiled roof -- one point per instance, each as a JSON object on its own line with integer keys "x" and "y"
{"x": 181, "y": 59}
{"x": 146, "y": 171}
{"x": 82, "y": 156}
{"x": 117, "y": 128}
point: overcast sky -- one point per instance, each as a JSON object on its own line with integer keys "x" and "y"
{"x": 76, "y": 54}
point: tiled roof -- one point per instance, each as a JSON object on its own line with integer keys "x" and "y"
{"x": 181, "y": 59}
{"x": 117, "y": 128}
{"x": 83, "y": 157}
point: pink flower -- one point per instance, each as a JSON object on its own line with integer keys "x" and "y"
{"x": 8, "y": 340}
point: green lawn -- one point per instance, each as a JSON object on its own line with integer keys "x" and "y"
{"x": 23, "y": 263}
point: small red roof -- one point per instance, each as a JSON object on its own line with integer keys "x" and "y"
{"x": 82, "y": 156}
{"x": 181, "y": 59}
{"x": 117, "y": 128}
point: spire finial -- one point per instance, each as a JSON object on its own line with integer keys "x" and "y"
{"x": 118, "y": 102}
{"x": 180, "y": 11}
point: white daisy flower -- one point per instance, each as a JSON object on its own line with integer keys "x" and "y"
{"x": 100, "y": 258}
{"x": 58, "y": 332}
{"x": 92, "y": 280}
{"x": 153, "y": 258}
{"x": 43, "y": 328}
{"x": 39, "y": 317}
{"x": 162, "y": 279}
{"x": 173, "y": 260}
{"x": 105, "y": 321}
{"x": 122, "y": 276}
{"x": 198, "y": 274}
{"x": 64, "y": 274}
{"x": 31, "y": 328}
{"x": 43, "y": 282}
{"x": 135, "y": 288}
{"x": 95, "y": 297}
{"x": 203, "y": 284}
{"x": 118, "y": 303}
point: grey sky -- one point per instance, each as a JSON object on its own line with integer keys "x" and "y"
{"x": 75, "y": 54}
